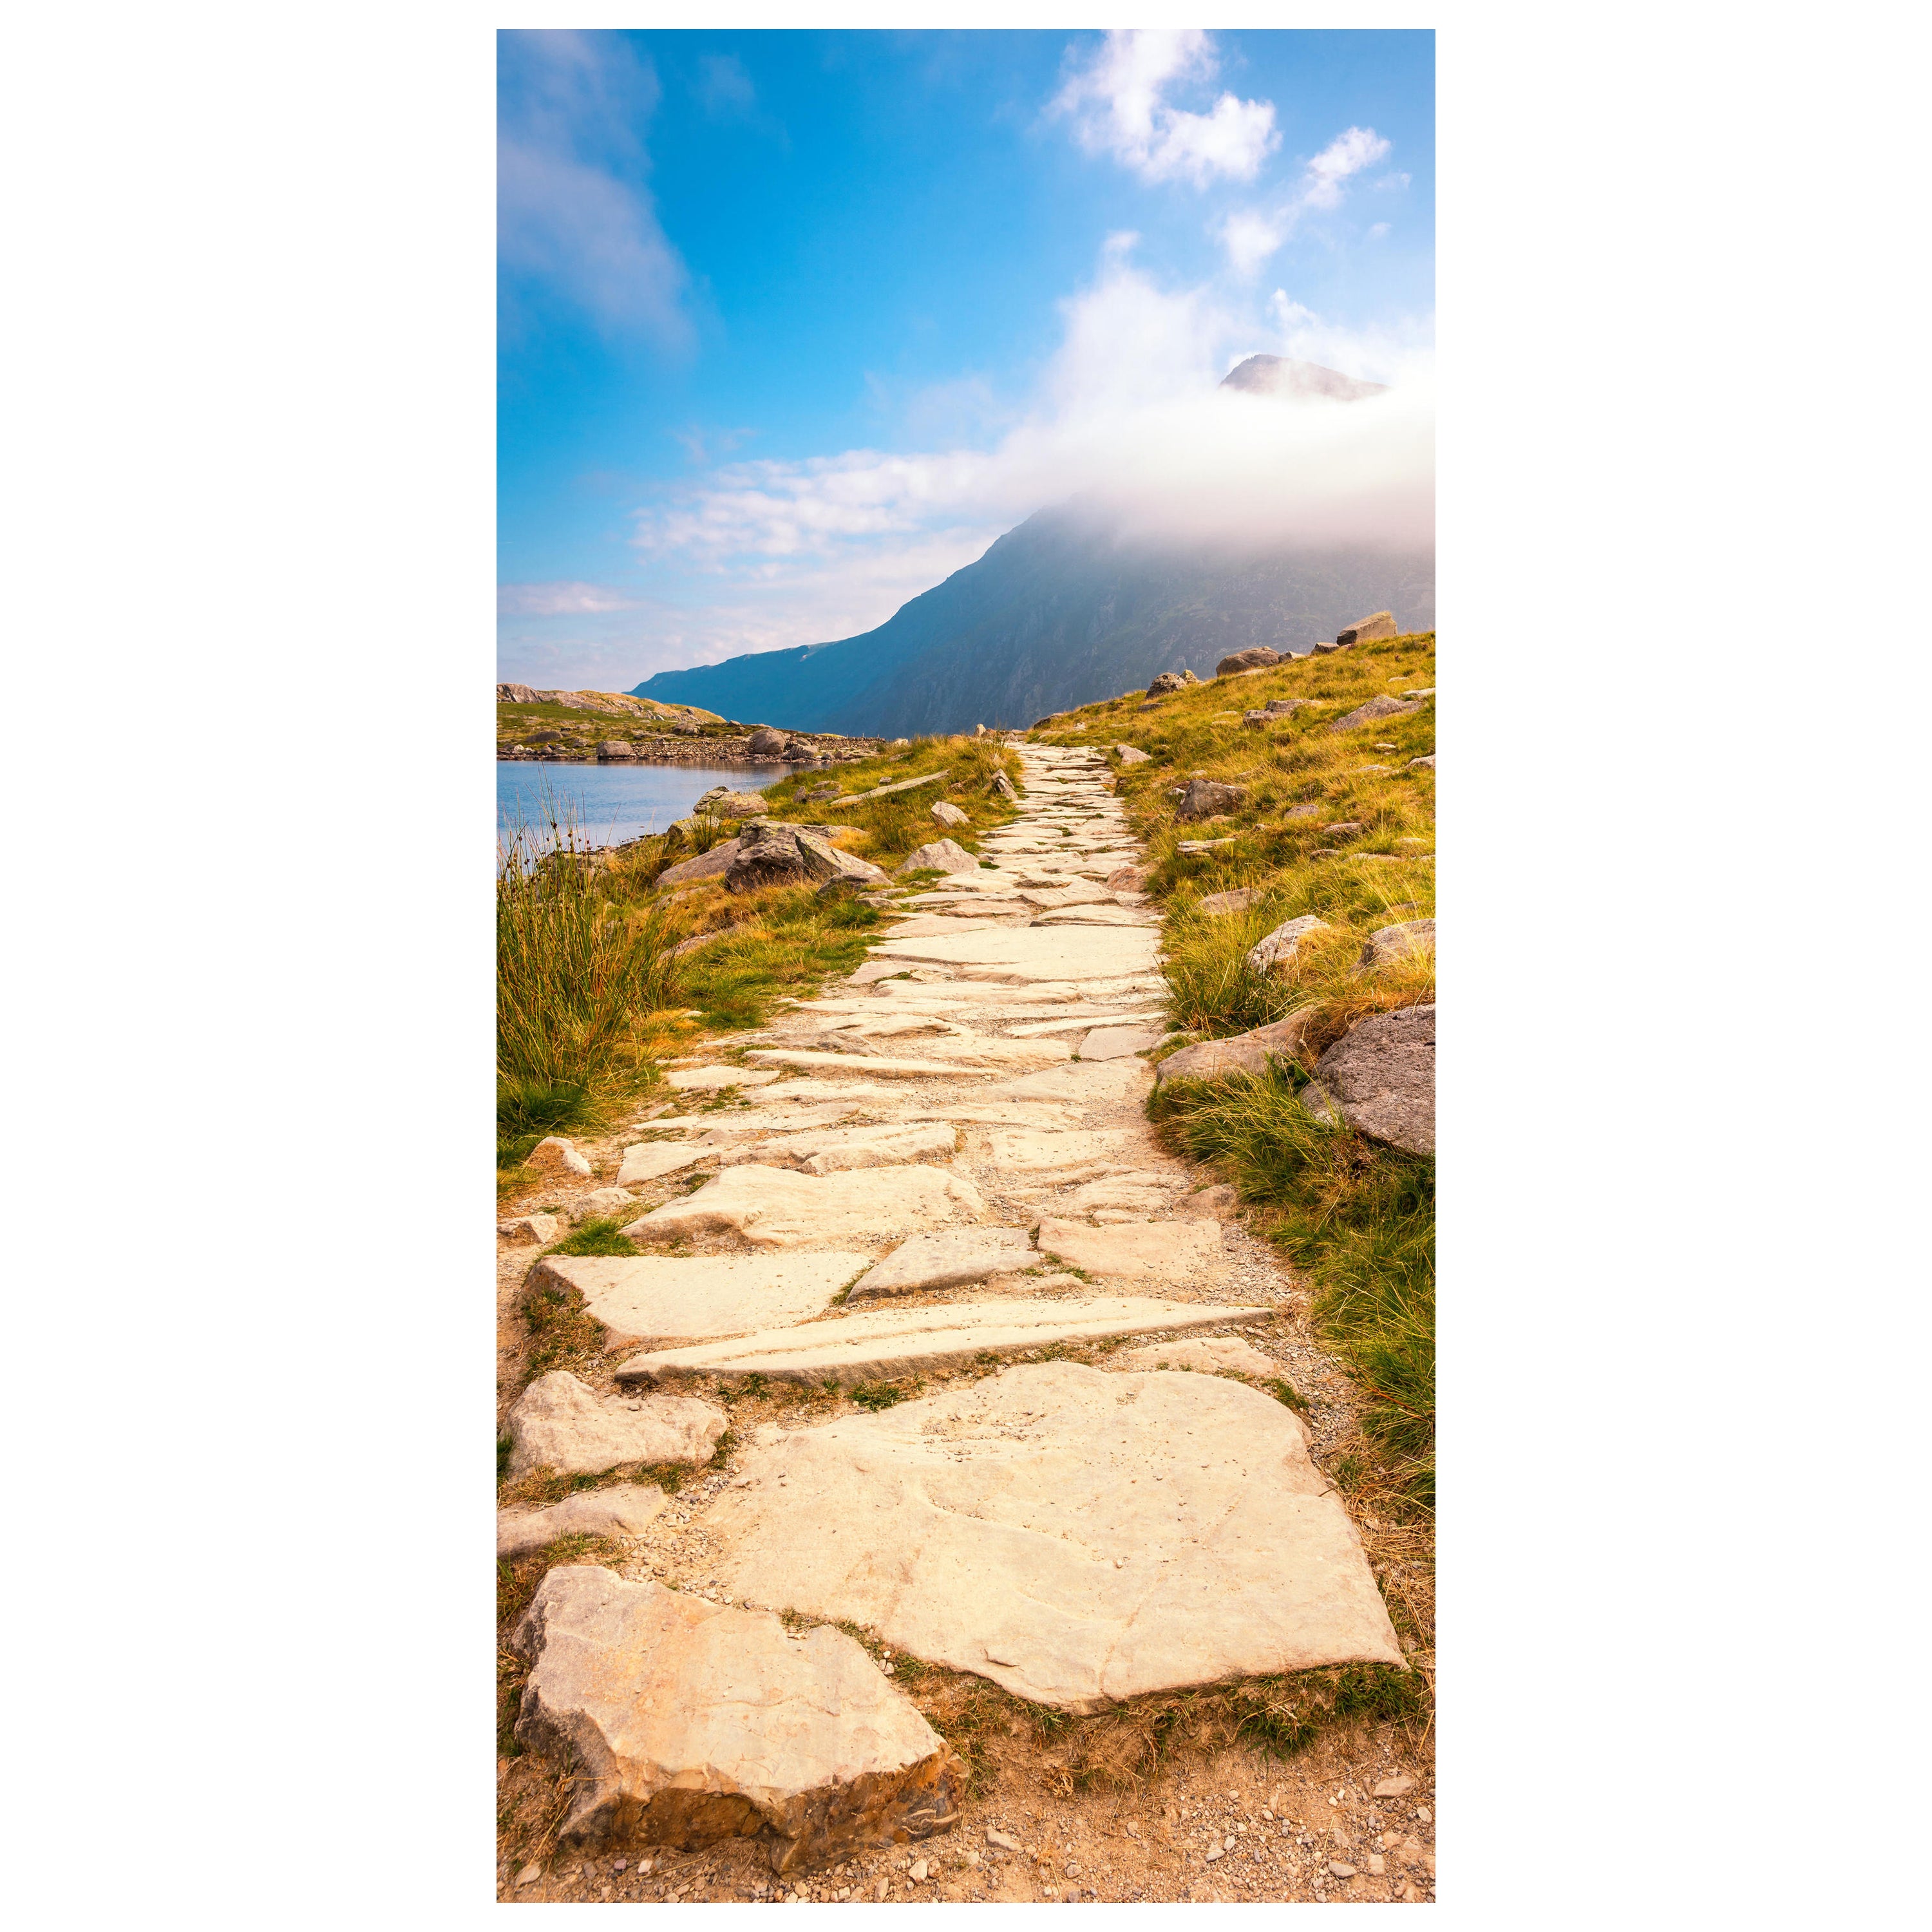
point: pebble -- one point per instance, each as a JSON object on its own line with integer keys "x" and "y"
{"x": 1341, "y": 1870}
{"x": 1000, "y": 1838}
{"x": 1398, "y": 1787}
{"x": 529, "y": 1875}
{"x": 918, "y": 1873}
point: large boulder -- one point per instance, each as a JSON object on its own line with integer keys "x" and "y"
{"x": 689, "y": 1723}
{"x": 767, "y": 855}
{"x": 1365, "y": 629}
{"x": 1279, "y": 946}
{"x": 824, "y": 861}
{"x": 1168, "y": 682}
{"x": 1393, "y": 942}
{"x": 1204, "y": 798}
{"x": 1257, "y": 659}
{"x": 1380, "y": 1078}
{"x": 1244, "y": 1053}
{"x": 558, "y": 1424}
{"x": 1374, "y": 711}
{"x": 1076, "y": 1536}
{"x": 949, "y": 814}
{"x": 941, "y": 856}
{"x": 613, "y": 750}
{"x": 767, "y": 743}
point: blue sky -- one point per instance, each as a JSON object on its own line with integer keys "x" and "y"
{"x": 793, "y": 325}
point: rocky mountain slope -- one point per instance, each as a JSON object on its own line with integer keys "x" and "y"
{"x": 1067, "y": 610}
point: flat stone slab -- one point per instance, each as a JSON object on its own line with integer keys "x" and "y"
{"x": 937, "y": 924}
{"x": 659, "y": 1301}
{"x": 773, "y": 1207}
{"x": 1118, "y": 1042}
{"x": 1135, "y": 1250}
{"x": 948, "y": 1260}
{"x": 558, "y": 1424}
{"x": 1031, "y": 952}
{"x": 1022, "y": 1152}
{"x": 1097, "y": 915}
{"x": 841, "y": 1149}
{"x": 651, "y": 1160}
{"x": 1206, "y": 1354}
{"x": 752, "y": 1120}
{"x": 990, "y": 1050}
{"x": 1077, "y": 1536}
{"x": 712, "y": 1079}
{"x": 883, "y": 1343}
{"x": 844, "y": 1063}
{"x": 1083, "y": 1082}
{"x": 1088, "y": 1016}
{"x": 690, "y": 1723}
{"x": 623, "y": 1509}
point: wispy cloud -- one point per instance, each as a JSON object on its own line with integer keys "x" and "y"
{"x": 1251, "y": 235}
{"x": 1118, "y": 103}
{"x": 574, "y": 213}
{"x": 1128, "y": 415}
{"x": 559, "y": 600}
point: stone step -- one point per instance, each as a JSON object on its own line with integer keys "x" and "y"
{"x": 812, "y": 1061}
{"x": 621, "y": 1510}
{"x": 559, "y": 1423}
{"x": 843, "y": 1150}
{"x": 948, "y": 1260}
{"x": 1032, "y": 952}
{"x": 773, "y": 1207}
{"x": 690, "y": 1723}
{"x": 1075, "y": 1535}
{"x": 883, "y": 1343}
{"x": 1135, "y": 1250}
{"x": 658, "y": 1301}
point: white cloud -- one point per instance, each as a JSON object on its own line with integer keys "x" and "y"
{"x": 558, "y": 600}
{"x": 1116, "y": 103}
{"x": 1251, "y": 235}
{"x": 1127, "y": 415}
{"x": 572, "y": 209}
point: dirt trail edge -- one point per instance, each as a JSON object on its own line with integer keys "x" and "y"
{"x": 933, "y": 1505}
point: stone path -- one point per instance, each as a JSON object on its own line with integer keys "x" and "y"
{"x": 932, "y": 1176}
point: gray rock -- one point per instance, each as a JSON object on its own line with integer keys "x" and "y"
{"x": 1399, "y": 1786}
{"x": 1132, "y": 754}
{"x": 558, "y": 1424}
{"x": 767, "y": 743}
{"x": 690, "y": 1723}
{"x": 1279, "y": 946}
{"x": 942, "y": 855}
{"x": 1392, "y": 942}
{"x": 1365, "y": 630}
{"x": 1344, "y": 828}
{"x": 1380, "y": 1077}
{"x": 1374, "y": 711}
{"x": 723, "y": 804}
{"x": 1118, "y": 1042}
{"x": 1004, "y": 786}
{"x": 1204, "y": 797}
{"x": 615, "y": 749}
{"x": 949, "y": 814}
{"x": 711, "y": 865}
{"x": 1217, "y": 904}
{"x": 1244, "y": 1053}
{"x": 1126, "y": 879}
{"x": 1286, "y": 707}
{"x": 601, "y": 1201}
{"x": 1426, "y": 764}
{"x": 824, "y": 861}
{"x": 1257, "y": 659}
{"x": 623, "y": 1509}
{"x": 1167, "y": 682}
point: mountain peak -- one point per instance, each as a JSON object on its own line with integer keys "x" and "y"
{"x": 1277, "y": 375}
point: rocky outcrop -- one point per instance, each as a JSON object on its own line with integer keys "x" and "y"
{"x": 690, "y": 1723}
{"x": 1380, "y": 1078}
{"x": 1244, "y": 1053}
{"x": 1170, "y": 681}
{"x": 1374, "y": 711}
{"x": 709, "y": 865}
{"x": 942, "y": 855}
{"x": 1393, "y": 942}
{"x": 1364, "y": 630}
{"x": 1204, "y": 797}
{"x": 774, "y": 854}
{"x": 1257, "y": 659}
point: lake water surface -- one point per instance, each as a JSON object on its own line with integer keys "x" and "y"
{"x": 616, "y": 801}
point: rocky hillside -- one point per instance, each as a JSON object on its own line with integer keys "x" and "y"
{"x": 1068, "y": 609}
{"x": 577, "y": 725}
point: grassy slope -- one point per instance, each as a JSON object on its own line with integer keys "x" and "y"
{"x": 1358, "y": 1218}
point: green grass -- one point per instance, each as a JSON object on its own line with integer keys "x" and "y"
{"x": 790, "y": 944}
{"x": 577, "y": 973}
{"x": 601, "y": 1236}
{"x": 876, "y": 1396}
{"x": 1360, "y": 1218}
